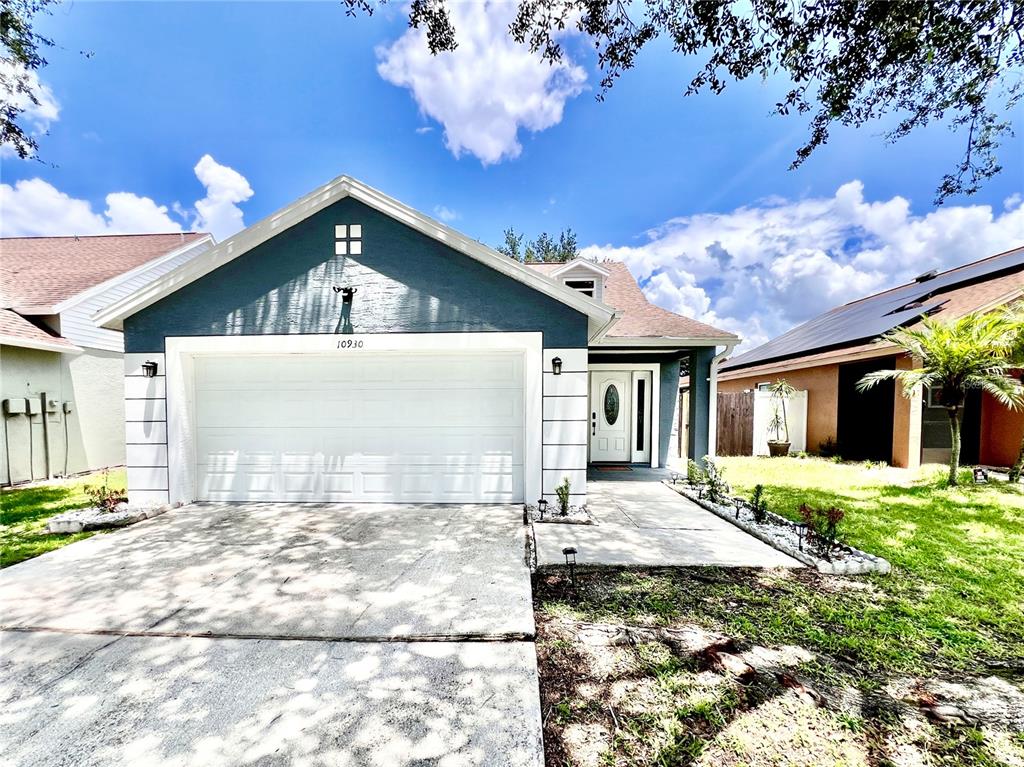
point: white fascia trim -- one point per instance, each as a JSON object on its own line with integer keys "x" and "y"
{"x": 592, "y": 266}
{"x": 181, "y": 351}
{"x": 45, "y": 346}
{"x": 638, "y": 343}
{"x": 654, "y": 368}
{"x": 106, "y": 285}
{"x": 341, "y": 187}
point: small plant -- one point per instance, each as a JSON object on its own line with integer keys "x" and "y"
{"x": 822, "y": 525}
{"x": 562, "y": 491}
{"x": 778, "y": 425}
{"x": 759, "y": 505}
{"x": 104, "y": 497}
{"x": 694, "y": 473}
{"x": 828, "y": 447}
{"x": 717, "y": 487}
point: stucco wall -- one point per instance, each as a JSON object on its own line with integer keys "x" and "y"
{"x": 406, "y": 282}
{"x": 1001, "y": 433}
{"x": 92, "y": 436}
{"x": 822, "y": 387}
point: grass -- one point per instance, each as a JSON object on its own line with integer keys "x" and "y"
{"x": 957, "y": 593}
{"x": 953, "y": 609}
{"x": 24, "y": 511}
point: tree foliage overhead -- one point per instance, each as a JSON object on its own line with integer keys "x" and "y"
{"x": 22, "y": 57}
{"x": 849, "y": 62}
{"x": 545, "y": 249}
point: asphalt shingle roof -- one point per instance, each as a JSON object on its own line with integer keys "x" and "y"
{"x": 38, "y": 272}
{"x": 640, "y": 318}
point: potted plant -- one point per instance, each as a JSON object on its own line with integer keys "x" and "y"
{"x": 778, "y": 426}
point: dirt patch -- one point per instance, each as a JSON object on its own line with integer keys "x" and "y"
{"x": 649, "y": 690}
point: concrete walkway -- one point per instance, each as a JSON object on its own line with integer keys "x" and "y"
{"x": 642, "y": 522}
{"x": 276, "y": 634}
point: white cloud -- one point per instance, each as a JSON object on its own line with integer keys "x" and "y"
{"x": 33, "y": 207}
{"x": 445, "y": 213}
{"x": 760, "y": 270}
{"x": 218, "y": 212}
{"x": 38, "y": 116}
{"x": 488, "y": 88}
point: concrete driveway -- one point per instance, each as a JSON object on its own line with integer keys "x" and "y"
{"x": 276, "y": 634}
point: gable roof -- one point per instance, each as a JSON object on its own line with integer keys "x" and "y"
{"x": 592, "y": 266}
{"x": 38, "y": 273}
{"x": 599, "y": 314}
{"x": 638, "y": 317}
{"x": 977, "y": 286}
{"x": 15, "y": 330}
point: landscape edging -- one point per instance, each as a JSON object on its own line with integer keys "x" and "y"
{"x": 869, "y": 564}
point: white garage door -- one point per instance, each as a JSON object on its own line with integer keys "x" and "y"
{"x": 387, "y": 427}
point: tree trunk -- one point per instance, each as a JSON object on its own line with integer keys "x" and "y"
{"x": 954, "y": 451}
{"x": 1018, "y": 465}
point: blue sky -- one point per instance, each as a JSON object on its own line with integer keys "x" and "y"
{"x": 694, "y": 194}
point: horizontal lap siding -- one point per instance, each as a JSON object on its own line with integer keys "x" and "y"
{"x": 564, "y": 428}
{"x": 145, "y": 429}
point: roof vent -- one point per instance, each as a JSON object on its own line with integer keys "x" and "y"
{"x": 929, "y": 275}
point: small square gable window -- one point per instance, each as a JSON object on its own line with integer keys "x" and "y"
{"x": 348, "y": 239}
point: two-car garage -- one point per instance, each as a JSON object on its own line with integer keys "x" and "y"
{"x": 357, "y": 426}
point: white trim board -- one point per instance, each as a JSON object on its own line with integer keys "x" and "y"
{"x": 181, "y": 351}
{"x": 654, "y": 368}
{"x": 43, "y": 346}
{"x": 113, "y": 316}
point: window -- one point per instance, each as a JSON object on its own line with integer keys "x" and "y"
{"x": 764, "y": 386}
{"x": 586, "y": 287}
{"x": 933, "y": 396}
{"x": 640, "y": 404}
{"x": 611, "y": 404}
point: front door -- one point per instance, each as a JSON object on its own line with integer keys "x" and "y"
{"x": 609, "y": 415}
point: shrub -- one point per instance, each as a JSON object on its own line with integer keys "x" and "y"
{"x": 103, "y": 496}
{"x": 718, "y": 488}
{"x": 828, "y": 447}
{"x": 694, "y": 473}
{"x": 759, "y": 505}
{"x": 822, "y": 526}
{"x": 562, "y": 491}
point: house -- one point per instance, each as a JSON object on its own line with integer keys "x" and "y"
{"x": 61, "y": 375}
{"x": 829, "y": 354}
{"x": 349, "y": 348}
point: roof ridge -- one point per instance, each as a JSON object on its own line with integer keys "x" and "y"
{"x": 97, "y": 236}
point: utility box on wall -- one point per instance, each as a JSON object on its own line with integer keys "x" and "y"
{"x": 35, "y": 407}
{"x": 15, "y": 406}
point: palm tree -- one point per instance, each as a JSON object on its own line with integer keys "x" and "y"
{"x": 971, "y": 352}
{"x": 1016, "y": 316}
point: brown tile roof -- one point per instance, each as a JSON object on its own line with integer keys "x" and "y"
{"x": 38, "y": 272}
{"x": 15, "y": 330}
{"x": 640, "y": 318}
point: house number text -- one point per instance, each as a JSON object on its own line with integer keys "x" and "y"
{"x": 350, "y": 343}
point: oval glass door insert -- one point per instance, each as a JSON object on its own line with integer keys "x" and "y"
{"x": 611, "y": 404}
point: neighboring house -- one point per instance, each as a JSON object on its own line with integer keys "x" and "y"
{"x": 829, "y": 354}
{"x": 61, "y": 375}
{"x": 349, "y": 348}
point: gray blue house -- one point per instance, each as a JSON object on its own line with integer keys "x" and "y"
{"x": 349, "y": 348}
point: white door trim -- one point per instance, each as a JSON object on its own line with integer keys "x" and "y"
{"x": 654, "y": 369}
{"x": 181, "y": 350}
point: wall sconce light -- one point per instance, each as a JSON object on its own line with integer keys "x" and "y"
{"x": 149, "y": 369}
{"x": 556, "y": 366}
{"x": 542, "y": 506}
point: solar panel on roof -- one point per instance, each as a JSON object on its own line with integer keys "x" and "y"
{"x": 870, "y": 317}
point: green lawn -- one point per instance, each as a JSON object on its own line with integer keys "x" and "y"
{"x": 24, "y": 511}
{"x": 952, "y": 609}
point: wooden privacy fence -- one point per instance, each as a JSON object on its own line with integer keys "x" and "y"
{"x": 736, "y": 423}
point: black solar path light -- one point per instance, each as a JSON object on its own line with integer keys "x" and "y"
{"x": 570, "y": 562}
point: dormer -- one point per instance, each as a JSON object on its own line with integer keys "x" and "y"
{"x": 586, "y": 277}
